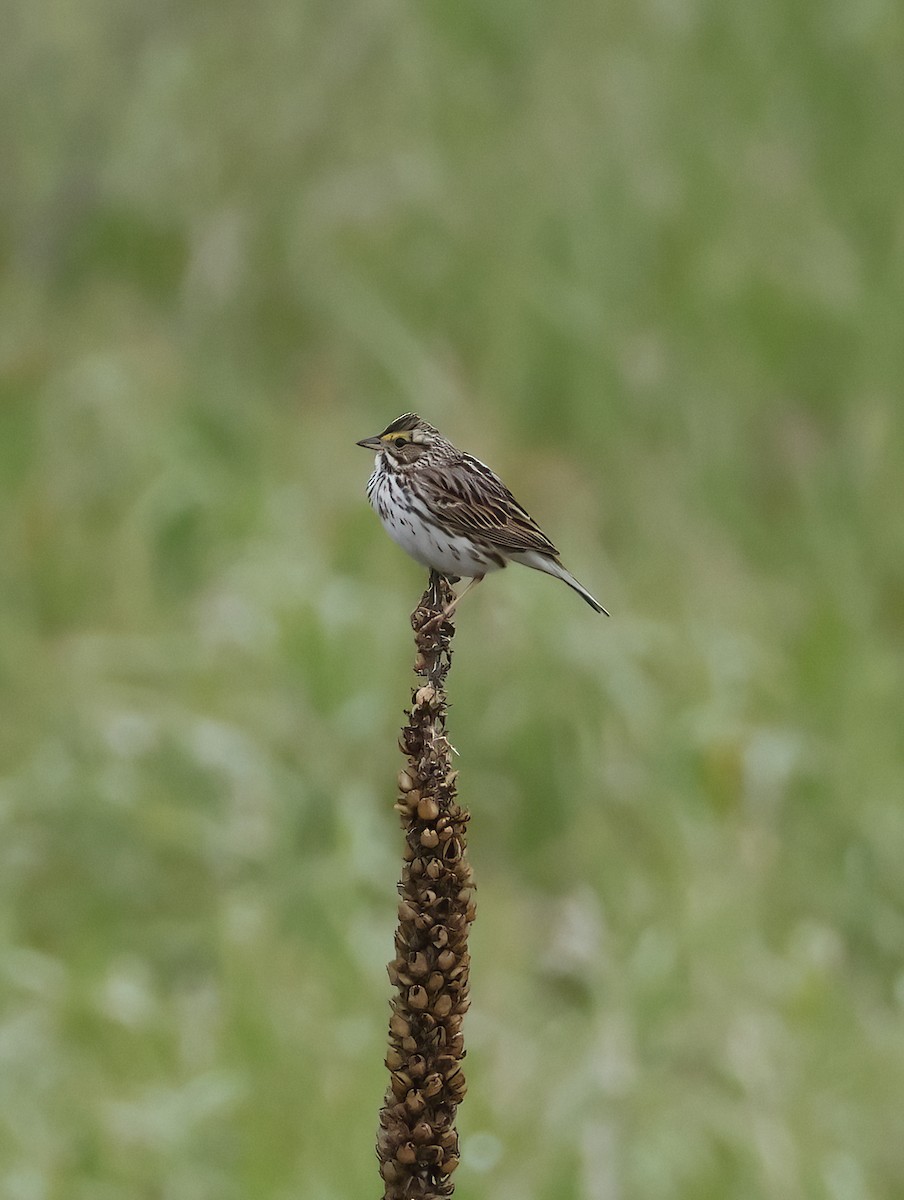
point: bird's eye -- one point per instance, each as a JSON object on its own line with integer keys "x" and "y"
{"x": 399, "y": 443}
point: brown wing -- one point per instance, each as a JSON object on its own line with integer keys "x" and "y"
{"x": 466, "y": 496}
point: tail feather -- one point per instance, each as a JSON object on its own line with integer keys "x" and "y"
{"x": 552, "y": 566}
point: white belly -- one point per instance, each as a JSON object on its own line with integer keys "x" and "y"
{"x": 428, "y": 545}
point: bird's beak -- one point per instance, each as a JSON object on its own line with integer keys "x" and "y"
{"x": 371, "y": 443}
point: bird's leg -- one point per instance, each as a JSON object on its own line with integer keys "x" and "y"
{"x": 435, "y": 586}
{"x": 450, "y": 608}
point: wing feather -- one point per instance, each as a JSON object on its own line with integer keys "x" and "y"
{"x": 465, "y": 495}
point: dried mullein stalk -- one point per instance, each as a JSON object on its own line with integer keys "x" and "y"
{"x": 417, "y": 1142}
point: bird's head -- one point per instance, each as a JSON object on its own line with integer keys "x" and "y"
{"x": 404, "y": 440}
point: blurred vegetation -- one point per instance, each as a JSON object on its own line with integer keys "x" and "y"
{"x": 648, "y": 261}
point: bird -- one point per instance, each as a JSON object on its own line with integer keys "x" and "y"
{"x": 451, "y": 513}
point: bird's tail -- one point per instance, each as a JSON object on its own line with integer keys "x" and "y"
{"x": 552, "y": 566}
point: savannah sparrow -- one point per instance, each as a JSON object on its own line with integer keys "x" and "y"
{"x": 451, "y": 512}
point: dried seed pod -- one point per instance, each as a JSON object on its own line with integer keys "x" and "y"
{"x": 432, "y": 1085}
{"x": 418, "y": 965}
{"x": 428, "y": 809}
{"x": 446, "y": 960}
{"x": 406, "y": 1154}
{"x": 417, "y": 998}
{"x": 422, "y": 1132}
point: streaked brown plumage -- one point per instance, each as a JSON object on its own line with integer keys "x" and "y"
{"x": 450, "y": 511}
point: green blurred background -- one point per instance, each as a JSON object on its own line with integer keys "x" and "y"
{"x": 647, "y": 261}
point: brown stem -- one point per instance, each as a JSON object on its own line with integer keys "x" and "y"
{"x": 417, "y": 1142}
